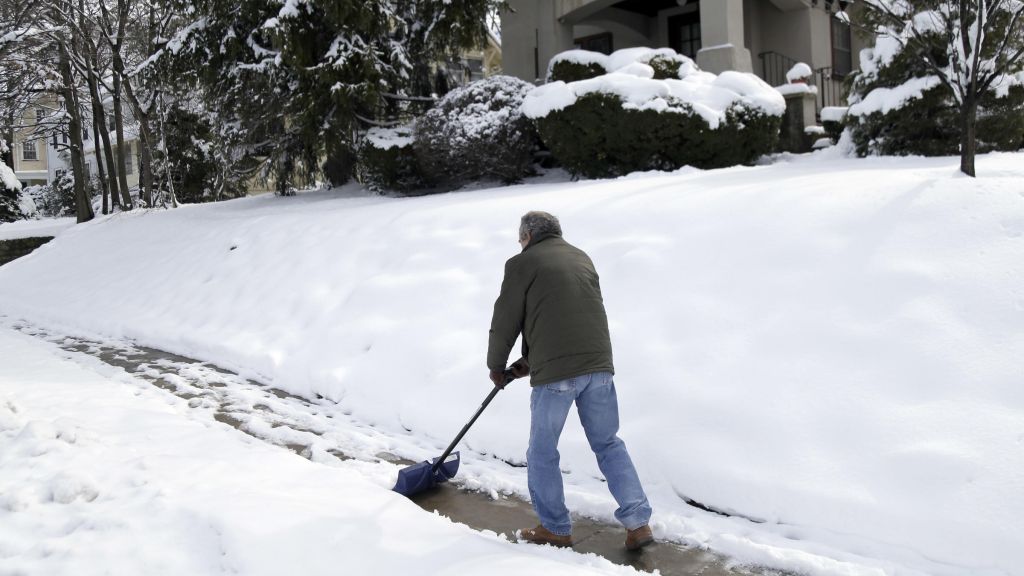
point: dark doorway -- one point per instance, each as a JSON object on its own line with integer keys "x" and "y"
{"x": 684, "y": 33}
{"x": 649, "y": 8}
{"x": 597, "y": 43}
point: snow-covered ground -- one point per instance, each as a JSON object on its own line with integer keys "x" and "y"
{"x": 101, "y": 473}
{"x": 828, "y": 348}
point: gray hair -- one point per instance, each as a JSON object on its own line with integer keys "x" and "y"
{"x": 538, "y": 223}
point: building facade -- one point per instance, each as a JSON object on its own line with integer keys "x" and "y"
{"x": 36, "y": 154}
{"x": 766, "y": 37}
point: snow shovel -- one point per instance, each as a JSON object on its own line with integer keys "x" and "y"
{"x": 429, "y": 473}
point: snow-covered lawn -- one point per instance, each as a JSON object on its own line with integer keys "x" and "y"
{"x": 829, "y": 348}
{"x": 104, "y": 474}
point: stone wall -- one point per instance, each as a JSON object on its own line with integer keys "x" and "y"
{"x": 11, "y": 249}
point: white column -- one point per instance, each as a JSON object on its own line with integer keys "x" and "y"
{"x": 721, "y": 29}
{"x": 530, "y": 36}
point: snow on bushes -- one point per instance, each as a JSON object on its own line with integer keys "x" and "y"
{"x": 387, "y": 160}
{"x": 575, "y": 65}
{"x": 832, "y": 118}
{"x": 10, "y": 187}
{"x": 476, "y": 133}
{"x": 630, "y": 119}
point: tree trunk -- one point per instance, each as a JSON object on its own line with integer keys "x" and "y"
{"x": 145, "y": 132}
{"x": 97, "y": 129}
{"x": 104, "y": 184}
{"x": 968, "y": 123}
{"x": 122, "y": 178}
{"x": 99, "y": 115}
{"x": 83, "y": 207}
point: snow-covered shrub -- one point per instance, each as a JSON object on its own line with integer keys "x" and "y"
{"x": 54, "y": 199}
{"x": 628, "y": 120}
{"x": 387, "y": 160}
{"x": 573, "y": 65}
{"x": 475, "y": 133}
{"x": 671, "y": 65}
{"x": 832, "y": 119}
{"x": 899, "y": 106}
{"x": 10, "y": 188}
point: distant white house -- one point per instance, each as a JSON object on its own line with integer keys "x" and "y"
{"x": 766, "y": 37}
{"x": 37, "y": 157}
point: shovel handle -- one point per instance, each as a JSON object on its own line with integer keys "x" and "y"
{"x": 437, "y": 463}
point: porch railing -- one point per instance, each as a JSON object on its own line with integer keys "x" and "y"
{"x": 774, "y": 67}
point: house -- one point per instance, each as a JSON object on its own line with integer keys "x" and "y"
{"x": 766, "y": 37}
{"x": 36, "y": 150}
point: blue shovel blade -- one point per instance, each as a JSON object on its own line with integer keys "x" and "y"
{"x": 418, "y": 477}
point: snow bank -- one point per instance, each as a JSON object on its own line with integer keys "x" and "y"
{"x": 101, "y": 474}
{"x": 35, "y": 228}
{"x": 828, "y": 347}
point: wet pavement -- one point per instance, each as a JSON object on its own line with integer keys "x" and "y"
{"x": 316, "y": 430}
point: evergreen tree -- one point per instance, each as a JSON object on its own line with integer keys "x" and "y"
{"x": 944, "y": 77}
{"x": 293, "y": 83}
{"x": 10, "y": 188}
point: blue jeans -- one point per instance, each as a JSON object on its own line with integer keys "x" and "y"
{"x": 598, "y": 408}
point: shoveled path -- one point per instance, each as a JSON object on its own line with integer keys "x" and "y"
{"x": 318, "y": 431}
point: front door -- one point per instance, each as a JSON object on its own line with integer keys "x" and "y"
{"x": 684, "y": 34}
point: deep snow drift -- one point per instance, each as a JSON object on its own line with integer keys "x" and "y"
{"x": 828, "y": 347}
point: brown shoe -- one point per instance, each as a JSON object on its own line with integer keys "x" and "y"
{"x": 637, "y": 539}
{"x": 541, "y": 535}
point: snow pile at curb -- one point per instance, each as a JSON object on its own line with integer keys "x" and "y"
{"x": 827, "y": 349}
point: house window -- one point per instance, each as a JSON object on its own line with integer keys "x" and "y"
{"x": 28, "y": 150}
{"x": 842, "y": 48}
{"x": 684, "y": 34}
{"x": 40, "y": 114}
{"x": 54, "y": 140}
{"x": 597, "y": 43}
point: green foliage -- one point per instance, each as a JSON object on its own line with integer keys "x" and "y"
{"x": 192, "y": 159}
{"x": 930, "y": 125}
{"x": 568, "y": 71}
{"x": 597, "y": 138}
{"x": 476, "y": 133}
{"x": 9, "y": 206}
{"x": 390, "y": 166}
{"x": 289, "y": 81}
{"x": 666, "y": 66}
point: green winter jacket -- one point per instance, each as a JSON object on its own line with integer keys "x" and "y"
{"x": 552, "y": 295}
